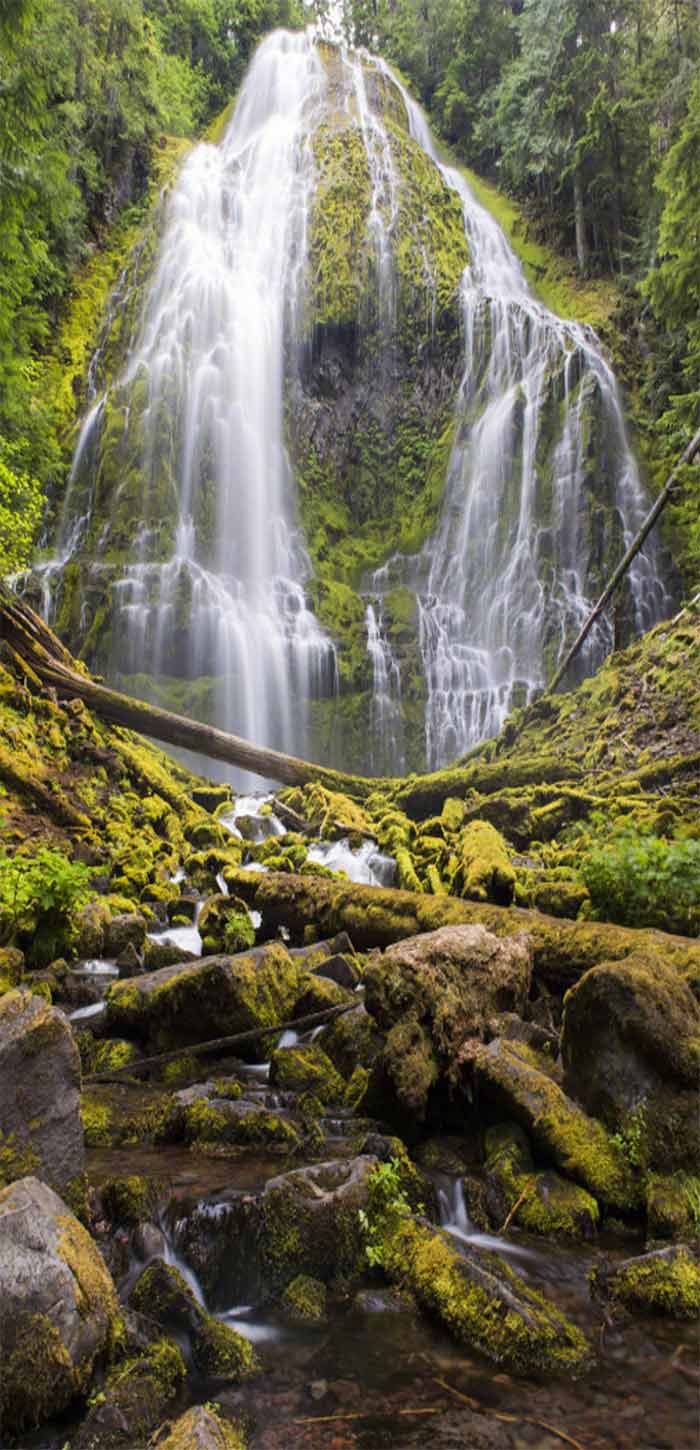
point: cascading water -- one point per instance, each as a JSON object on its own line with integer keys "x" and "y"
{"x": 199, "y": 542}
{"x": 505, "y": 581}
{"x": 225, "y": 597}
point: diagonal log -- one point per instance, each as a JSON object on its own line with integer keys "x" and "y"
{"x": 39, "y": 649}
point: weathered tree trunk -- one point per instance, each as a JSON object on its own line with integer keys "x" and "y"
{"x": 375, "y": 917}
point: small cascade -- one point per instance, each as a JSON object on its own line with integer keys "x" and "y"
{"x": 386, "y": 719}
{"x": 455, "y": 1219}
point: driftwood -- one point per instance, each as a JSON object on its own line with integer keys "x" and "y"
{"x": 221, "y": 1044}
{"x": 374, "y": 916}
{"x": 622, "y": 568}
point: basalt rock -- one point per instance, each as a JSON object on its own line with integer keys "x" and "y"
{"x": 58, "y": 1306}
{"x": 631, "y": 1050}
{"x": 39, "y": 1091}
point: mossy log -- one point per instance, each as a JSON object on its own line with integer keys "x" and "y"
{"x": 374, "y": 916}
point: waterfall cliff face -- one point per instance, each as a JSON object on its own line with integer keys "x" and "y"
{"x": 350, "y": 466}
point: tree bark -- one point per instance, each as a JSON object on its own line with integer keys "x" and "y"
{"x": 580, "y": 220}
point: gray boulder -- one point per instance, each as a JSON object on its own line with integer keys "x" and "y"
{"x": 58, "y": 1306}
{"x": 39, "y": 1090}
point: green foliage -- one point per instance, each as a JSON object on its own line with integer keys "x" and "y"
{"x": 644, "y": 880}
{"x": 39, "y": 891}
{"x": 386, "y": 1205}
{"x": 630, "y": 1138}
{"x": 20, "y": 512}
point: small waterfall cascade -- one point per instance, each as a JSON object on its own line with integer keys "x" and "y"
{"x": 508, "y": 577}
{"x": 386, "y": 719}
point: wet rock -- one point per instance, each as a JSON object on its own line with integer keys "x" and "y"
{"x": 89, "y": 927}
{"x": 201, "y": 1428}
{"x": 160, "y": 954}
{"x": 134, "y": 1400}
{"x": 212, "y": 998}
{"x": 304, "y": 1222}
{"x": 130, "y": 961}
{"x": 212, "y": 797}
{"x": 631, "y": 1050}
{"x": 201, "y": 1115}
{"x": 432, "y": 992}
{"x": 39, "y": 1090}
{"x": 666, "y": 1281}
{"x": 163, "y": 1294}
{"x": 339, "y": 969}
{"x": 509, "y": 1081}
{"x": 514, "y": 1029}
{"x": 306, "y": 1069}
{"x": 58, "y": 1306}
{"x": 317, "y": 994}
{"x": 130, "y": 1200}
{"x": 122, "y": 931}
{"x": 352, "y": 1040}
{"x": 549, "y": 1205}
{"x": 481, "y": 1301}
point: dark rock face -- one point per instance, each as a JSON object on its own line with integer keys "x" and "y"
{"x": 631, "y": 1050}
{"x": 58, "y": 1305}
{"x": 40, "y": 1087}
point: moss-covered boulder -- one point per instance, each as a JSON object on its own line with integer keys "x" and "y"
{"x": 631, "y": 1051}
{"x": 352, "y": 1040}
{"x": 214, "y": 1115}
{"x": 201, "y": 1428}
{"x": 666, "y": 1281}
{"x": 39, "y": 1091}
{"x": 58, "y": 1307}
{"x": 225, "y": 925}
{"x": 304, "y": 1222}
{"x": 306, "y": 1069}
{"x": 432, "y": 992}
{"x": 304, "y": 1300}
{"x": 546, "y": 1203}
{"x": 510, "y": 1082}
{"x": 134, "y": 1400}
{"x": 483, "y": 870}
{"x": 218, "y": 1352}
{"x": 672, "y": 1205}
{"x": 215, "y": 997}
{"x": 481, "y": 1301}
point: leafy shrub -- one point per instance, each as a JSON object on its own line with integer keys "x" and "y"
{"x": 386, "y": 1204}
{"x": 640, "y": 880}
{"x": 39, "y": 892}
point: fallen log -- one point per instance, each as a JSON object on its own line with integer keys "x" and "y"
{"x": 39, "y": 649}
{"x": 374, "y": 916}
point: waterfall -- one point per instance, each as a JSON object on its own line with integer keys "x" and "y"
{"x": 505, "y": 582}
{"x": 180, "y": 518}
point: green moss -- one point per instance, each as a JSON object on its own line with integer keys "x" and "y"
{"x": 16, "y": 1160}
{"x": 129, "y": 1200}
{"x": 93, "y": 1288}
{"x": 112, "y": 1054}
{"x": 202, "y": 1420}
{"x": 672, "y": 1205}
{"x": 518, "y": 1329}
{"x": 484, "y": 872}
{"x": 305, "y": 1299}
{"x": 220, "y": 1353}
{"x": 548, "y": 1204}
{"x": 306, "y": 1069}
{"x": 98, "y": 1124}
{"x": 39, "y": 1378}
{"x": 666, "y": 1283}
